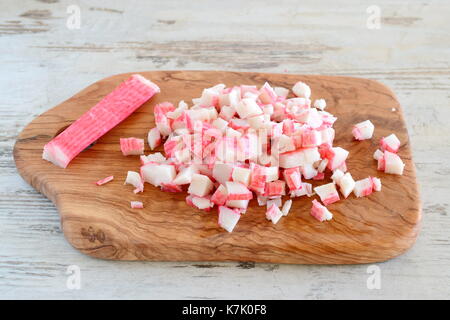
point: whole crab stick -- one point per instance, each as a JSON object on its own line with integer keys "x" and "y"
{"x": 101, "y": 118}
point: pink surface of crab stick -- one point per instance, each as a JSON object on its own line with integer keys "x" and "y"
{"x": 320, "y": 212}
{"x": 101, "y": 118}
{"x": 131, "y": 146}
{"x": 136, "y": 205}
{"x": 104, "y": 180}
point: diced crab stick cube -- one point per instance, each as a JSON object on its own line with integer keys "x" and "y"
{"x": 143, "y": 159}
{"x": 392, "y": 163}
{"x": 227, "y": 113}
{"x": 390, "y": 143}
{"x": 276, "y": 130}
{"x": 305, "y": 190}
{"x": 136, "y": 205}
{"x": 277, "y": 201}
{"x": 267, "y": 94}
{"x": 131, "y": 146}
{"x": 311, "y": 138}
{"x": 202, "y": 203}
{"x": 363, "y": 130}
{"x": 300, "y": 103}
{"x": 248, "y": 88}
{"x": 336, "y": 157}
{"x": 381, "y": 163}
{"x": 232, "y": 133}
{"x": 179, "y": 123}
{"x": 172, "y": 144}
{"x": 299, "y": 157}
{"x": 337, "y": 175}
{"x": 239, "y": 204}
{"x": 238, "y": 191}
{"x": 171, "y": 187}
{"x": 156, "y": 157}
{"x": 210, "y": 97}
{"x": 275, "y": 188}
{"x": 285, "y": 143}
{"x": 234, "y": 97}
{"x": 268, "y": 109}
{"x": 178, "y": 111}
{"x": 378, "y": 154}
{"x": 247, "y": 147}
{"x": 320, "y": 104}
{"x": 239, "y": 124}
{"x": 327, "y": 119}
{"x": 310, "y": 117}
{"x": 274, "y": 213}
{"x": 363, "y": 187}
{"x": 308, "y": 188}
{"x": 251, "y": 95}
{"x": 104, "y": 180}
{"x": 272, "y": 173}
{"x": 257, "y": 122}
{"x": 327, "y": 136}
{"x": 322, "y": 165}
{"x": 164, "y": 108}
{"x": 262, "y": 200}
{"x": 376, "y": 182}
{"x": 308, "y": 171}
{"x": 220, "y": 196}
{"x": 293, "y": 178}
{"x": 135, "y": 180}
{"x": 257, "y": 178}
{"x": 222, "y": 172}
{"x": 327, "y": 193}
{"x": 286, "y": 207}
{"x": 161, "y": 120}
{"x": 154, "y": 138}
{"x": 228, "y": 218}
{"x": 200, "y": 185}
{"x": 346, "y": 184}
{"x": 226, "y": 150}
{"x": 281, "y": 92}
{"x": 301, "y": 89}
{"x": 288, "y": 127}
{"x": 220, "y": 124}
{"x": 156, "y": 174}
{"x": 184, "y": 176}
{"x": 343, "y": 167}
{"x": 101, "y": 118}
{"x": 224, "y": 99}
{"x": 320, "y": 212}
{"x": 248, "y": 108}
{"x": 241, "y": 175}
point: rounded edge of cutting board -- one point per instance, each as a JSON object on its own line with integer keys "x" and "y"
{"x": 91, "y": 239}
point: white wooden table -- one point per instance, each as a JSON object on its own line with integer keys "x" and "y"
{"x": 43, "y": 62}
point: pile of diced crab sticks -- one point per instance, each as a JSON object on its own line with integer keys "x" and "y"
{"x": 239, "y": 143}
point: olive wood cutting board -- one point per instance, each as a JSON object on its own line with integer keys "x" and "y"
{"x": 98, "y": 220}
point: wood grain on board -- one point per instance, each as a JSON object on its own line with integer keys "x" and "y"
{"x": 99, "y": 222}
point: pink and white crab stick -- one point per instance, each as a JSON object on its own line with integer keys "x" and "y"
{"x": 228, "y": 218}
{"x": 363, "y": 130}
{"x": 105, "y": 115}
{"x": 132, "y": 146}
{"x": 327, "y": 193}
{"x": 320, "y": 212}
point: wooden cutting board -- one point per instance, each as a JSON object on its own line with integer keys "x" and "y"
{"x": 98, "y": 221}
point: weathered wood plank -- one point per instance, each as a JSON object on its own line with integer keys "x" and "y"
{"x": 44, "y": 63}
